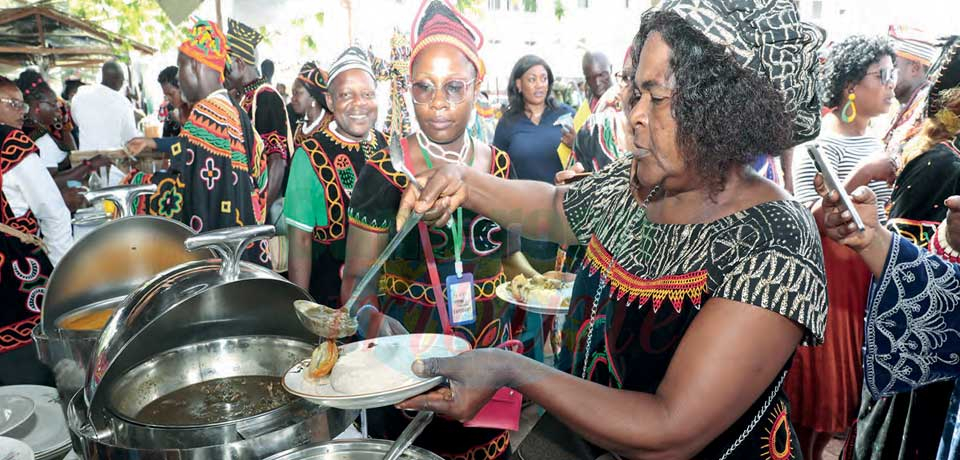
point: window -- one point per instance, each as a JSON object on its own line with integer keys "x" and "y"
{"x": 495, "y": 4}
{"x": 817, "y": 9}
{"x": 583, "y": 3}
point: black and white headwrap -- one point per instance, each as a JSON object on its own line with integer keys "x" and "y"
{"x": 768, "y": 37}
{"x": 352, "y": 58}
{"x": 944, "y": 73}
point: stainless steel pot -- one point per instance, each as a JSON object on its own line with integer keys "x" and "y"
{"x": 197, "y": 321}
{"x": 358, "y": 449}
{"x": 97, "y": 273}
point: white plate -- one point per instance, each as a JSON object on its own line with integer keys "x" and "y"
{"x": 14, "y": 410}
{"x": 19, "y": 449}
{"x": 415, "y": 346}
{"x": 46, "y": 432}
{"x": 553, "y": 308}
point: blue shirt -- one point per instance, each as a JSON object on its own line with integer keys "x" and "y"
{"x": 532, "y": 148}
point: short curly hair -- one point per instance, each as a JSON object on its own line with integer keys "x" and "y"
{"x": 726, "y": 115}
{"x": 847, "y": 63}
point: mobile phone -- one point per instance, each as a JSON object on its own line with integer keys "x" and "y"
{"x": 832, "y": 183}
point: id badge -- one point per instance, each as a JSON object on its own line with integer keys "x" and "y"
{"x": 460, "y": 300}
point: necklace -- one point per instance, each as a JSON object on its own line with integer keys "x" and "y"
{"x": 642, "y": 217}
{"x": 440, "y": 153}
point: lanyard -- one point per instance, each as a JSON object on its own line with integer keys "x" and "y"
{"x": 458, "y": 219}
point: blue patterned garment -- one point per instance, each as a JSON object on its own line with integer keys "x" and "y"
{"x": 912, "y": 335}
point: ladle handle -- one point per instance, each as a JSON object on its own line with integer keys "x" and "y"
{"x": 351, "y": 305}
{"x": 229, "y": 244}
{"x": 122, "y": 195}
{"x": 416, "y": 426}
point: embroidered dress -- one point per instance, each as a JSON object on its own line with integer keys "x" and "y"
{"x": 411, "y": 299}
{"x": 268, "y": 113}
{"x": 323, "y": 176}
{"x": 908, "y": 425}
{"x": 208, "y": 185}
{"x": 912, "y": 337}
{"x": 24, "y": 268}
{"x": 660, "y": 275}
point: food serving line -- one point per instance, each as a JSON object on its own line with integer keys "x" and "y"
{"x": 165, "y": 344}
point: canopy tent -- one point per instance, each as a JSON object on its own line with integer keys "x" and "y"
{"x": 44, "y": 36}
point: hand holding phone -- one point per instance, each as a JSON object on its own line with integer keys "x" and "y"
{"x": 832, "y": 183}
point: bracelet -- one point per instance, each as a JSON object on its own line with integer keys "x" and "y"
{"x": 941, "y": 246}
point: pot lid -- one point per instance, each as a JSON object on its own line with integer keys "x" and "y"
{"x": 195, "y": 301}
{"x": 126, "y": 252}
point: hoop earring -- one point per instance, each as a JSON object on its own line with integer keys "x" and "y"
{"x": 850, "y": 106}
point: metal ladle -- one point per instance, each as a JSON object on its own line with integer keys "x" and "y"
{"x": 416, "y": 426}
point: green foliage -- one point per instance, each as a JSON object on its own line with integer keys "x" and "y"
{"x": 139, "y": 20}
{"x": 558, "y": 10}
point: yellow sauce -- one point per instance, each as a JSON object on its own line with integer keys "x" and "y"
{"x": 87, "y": 321}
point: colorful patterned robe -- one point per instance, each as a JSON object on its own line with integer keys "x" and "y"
{"x": 209, "y": 184}
{"x": 268, "y": 113}
{"x": 24, "y": 268}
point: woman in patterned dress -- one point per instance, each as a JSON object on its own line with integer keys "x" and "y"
{"x": 30, "y": 207}
{"x": 445, "y": 72}
{"x": 701, "y": 277}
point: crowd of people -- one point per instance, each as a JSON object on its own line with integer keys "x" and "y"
{"x": 725, "y": 304}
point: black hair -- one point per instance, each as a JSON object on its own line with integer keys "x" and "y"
{"x": 169, "y": 76}
{"x": 267, "y": 69}
{"x": 32, "y": 84}
{"x": 70, "y": 85}
{"x": 847, "y": 63}
{"x": 7, "y": 83}
{"x": 514, "y": 98}
{"x": 726, "y": 115}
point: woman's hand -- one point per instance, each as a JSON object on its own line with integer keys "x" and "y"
{"x": 564, "y": 176}
{"x": 568, "y": 136}
{"x": 876, "y": 168}
{"x": 838, "y": 223}
{"x": 474, "y": 378}
{"x": 139, "y": 144}
{"x": 444, "y": 191}
{"x": 953, "y": 220}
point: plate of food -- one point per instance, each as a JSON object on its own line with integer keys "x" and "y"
{"x": 371, "y": 373}
{"x": 546, "y": 294}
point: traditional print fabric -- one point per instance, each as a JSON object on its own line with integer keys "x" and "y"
{"x": 24, "y": 268}
{"x": 208, "y": 185}
{"x": 660, "y": 275}
{"x": 268, "y": 113}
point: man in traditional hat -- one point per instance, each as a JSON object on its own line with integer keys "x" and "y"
{"x": 915, "y": 52}
{"x": 597, "y": 73}
{"x": 266, "y": 109}
{"x": 324, "y": 171}
{"x": 209, "y": 184}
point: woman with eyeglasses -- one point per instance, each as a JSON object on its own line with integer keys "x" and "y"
{"x": 470, "y": 255}
{"x": 34, "y": 235}
{"x": 857, "y": 84}
{"x": 44, "y": 124}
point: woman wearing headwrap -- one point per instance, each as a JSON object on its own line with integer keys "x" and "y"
{"x": 309, "y": 100}
{"x": 324, "y": 171}
{"x": 45, "y": 125}
{"x": 701, "y": 278}
{"x": 445, "y": 70}
{"x": 857, "y": 84}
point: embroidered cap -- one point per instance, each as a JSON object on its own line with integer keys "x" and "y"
{"x": 352, "y": 58}
{"x": 439, "y": 22}
{"x": 770, "y": 39}
{"x": 913, "y": 44}
{"x": 243, "y": 41}
{"x": 944, "y": 73}
{"x": 206, "y": 43}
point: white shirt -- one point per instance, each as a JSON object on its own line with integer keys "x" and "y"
{"x": 29, "y": 186}
{"x": 50, "y": 153}
{"x": 104, "y": 118}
